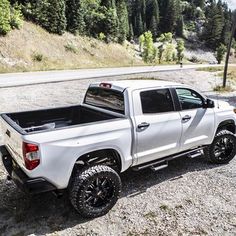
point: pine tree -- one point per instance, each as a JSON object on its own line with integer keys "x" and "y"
{"x": 153, "y": 19}
{"x": 225, "y": 35}
{"x": 56, "y": 19}
{"x": 214, "y": 26}
{"x": 108, "y": 3}
{"x": 110, "y": 23}
{"x": 199, "y": 3}
{"x": 50, "y": 14}
{"x": 180, "y": 26}
{"x": 131, "y": 32}
{"x": 190, "y": 12}
{"x": 170, "y": 15}
{"x": 143, "y": 14}
{"x": 139, "y": 24}
{"x": 5, "y": 17}
{"x": 123, "y": 21}
{"x": 75, "y": 16}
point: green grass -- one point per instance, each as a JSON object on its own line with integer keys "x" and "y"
{"x": 211, "y": 69}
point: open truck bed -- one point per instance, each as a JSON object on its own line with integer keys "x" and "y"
{"x": 53, "y": 118}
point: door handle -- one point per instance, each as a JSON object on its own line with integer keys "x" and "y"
{"x": 186, "y": 118}
{"x": 143, "y": 126}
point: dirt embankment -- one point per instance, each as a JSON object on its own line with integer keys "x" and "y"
{"x": 33, "y": 48}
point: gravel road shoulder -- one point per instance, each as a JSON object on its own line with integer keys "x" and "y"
{"x": 190, "y": 197}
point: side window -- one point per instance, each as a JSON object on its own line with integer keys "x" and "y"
{"x": 156, "y": 101}
{"x": 189, "y": 99}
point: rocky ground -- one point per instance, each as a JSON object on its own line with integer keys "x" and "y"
{"x": 190, "y": 197}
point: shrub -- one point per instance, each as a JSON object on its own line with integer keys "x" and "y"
{"x": 149, "y": 51}
{"x": 169, "y": 51}
{"x": 180, "y": 50}
{"x": 194, "y": 59}
{"x": 220, "y": 52}
{"x": 102, "y": 36}
{"x": 141, "y": 42}
{"x": 70, "y": 48}
{"x": 16, "y": 20}
{"x": 190, "y": 26}
{"x": 219, "y": 88}
{"x": 37, "y": 57}
{"x": 5, "y": 17}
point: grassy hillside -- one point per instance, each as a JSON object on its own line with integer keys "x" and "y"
{"x": 32, "y": 48}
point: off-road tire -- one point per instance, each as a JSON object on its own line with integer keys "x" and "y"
{"x": 84, "y": 186}
{"x": 209, "y": 151}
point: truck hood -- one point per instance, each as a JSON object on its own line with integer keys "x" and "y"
{"x": 219, "y": 104}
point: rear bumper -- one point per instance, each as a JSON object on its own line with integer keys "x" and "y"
{"x": 26, "y": 184}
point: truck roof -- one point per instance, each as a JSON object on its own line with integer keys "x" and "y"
{"x": 136, "y": 84}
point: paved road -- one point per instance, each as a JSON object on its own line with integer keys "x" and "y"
{"x": 29, "y": 78}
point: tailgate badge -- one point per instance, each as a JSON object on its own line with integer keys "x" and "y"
{"x": 8, "y": 133}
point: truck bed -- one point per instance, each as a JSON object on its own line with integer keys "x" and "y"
{"x": 49, "y": 119}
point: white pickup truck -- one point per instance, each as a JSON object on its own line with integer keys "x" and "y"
{"x": 120, "y": 125}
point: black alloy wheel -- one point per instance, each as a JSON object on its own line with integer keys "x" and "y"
{"x": 95, "y": 190}
{"x": 223, "y": 148}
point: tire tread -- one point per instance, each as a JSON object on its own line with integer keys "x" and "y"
{"x": 207, "y": 151}
{"x": 79, "y": 182}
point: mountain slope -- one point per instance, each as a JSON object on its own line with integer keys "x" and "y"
{"x": 33, "y": 48}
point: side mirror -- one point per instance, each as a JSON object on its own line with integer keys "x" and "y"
{"x": 209, "y": 103}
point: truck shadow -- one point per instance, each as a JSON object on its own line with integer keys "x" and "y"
{"x": 42, "y": 214}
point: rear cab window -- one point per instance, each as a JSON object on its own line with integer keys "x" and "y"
{"x": 105, "y": 98}
{"x": 156, "y": 101}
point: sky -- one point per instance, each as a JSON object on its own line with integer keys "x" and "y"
{"x": 231, "y": 3}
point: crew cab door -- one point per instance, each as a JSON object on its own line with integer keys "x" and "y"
{"x": 158, "y": 125}
{"x": 198, "y": 122}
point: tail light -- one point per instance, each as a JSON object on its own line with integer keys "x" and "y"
{"x": 31, "y": 155}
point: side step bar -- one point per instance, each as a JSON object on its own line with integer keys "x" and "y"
{"x": 163, "y": 162}
{"x": 196, "y": 153}
{"x": 160, "y": 167}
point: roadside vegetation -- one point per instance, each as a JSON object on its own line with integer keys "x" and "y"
{"x": 211, "y": 69}
{"x": 154, "y": 31}
{"x": 231, "y": 75}
{"x": 219, "y": 71}
{"x": 166, "y": 49}
{"x": 222, "y": 89}
{"x": 10, "y": 17}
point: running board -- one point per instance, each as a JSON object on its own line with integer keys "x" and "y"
{"x": 160, "y": 167}
{"x": 195, "y": 154}
{"x": 163, "y": 162}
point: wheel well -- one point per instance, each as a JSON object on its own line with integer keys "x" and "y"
{"x": 228, "y": 125}
{"x": 108, "y": 157}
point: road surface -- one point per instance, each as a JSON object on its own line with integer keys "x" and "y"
{"x": 30, "y": 78}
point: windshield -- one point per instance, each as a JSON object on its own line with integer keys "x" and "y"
{"x": 105, "y": 98}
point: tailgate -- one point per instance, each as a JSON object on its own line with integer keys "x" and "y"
{"x": 13, "y": 141}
